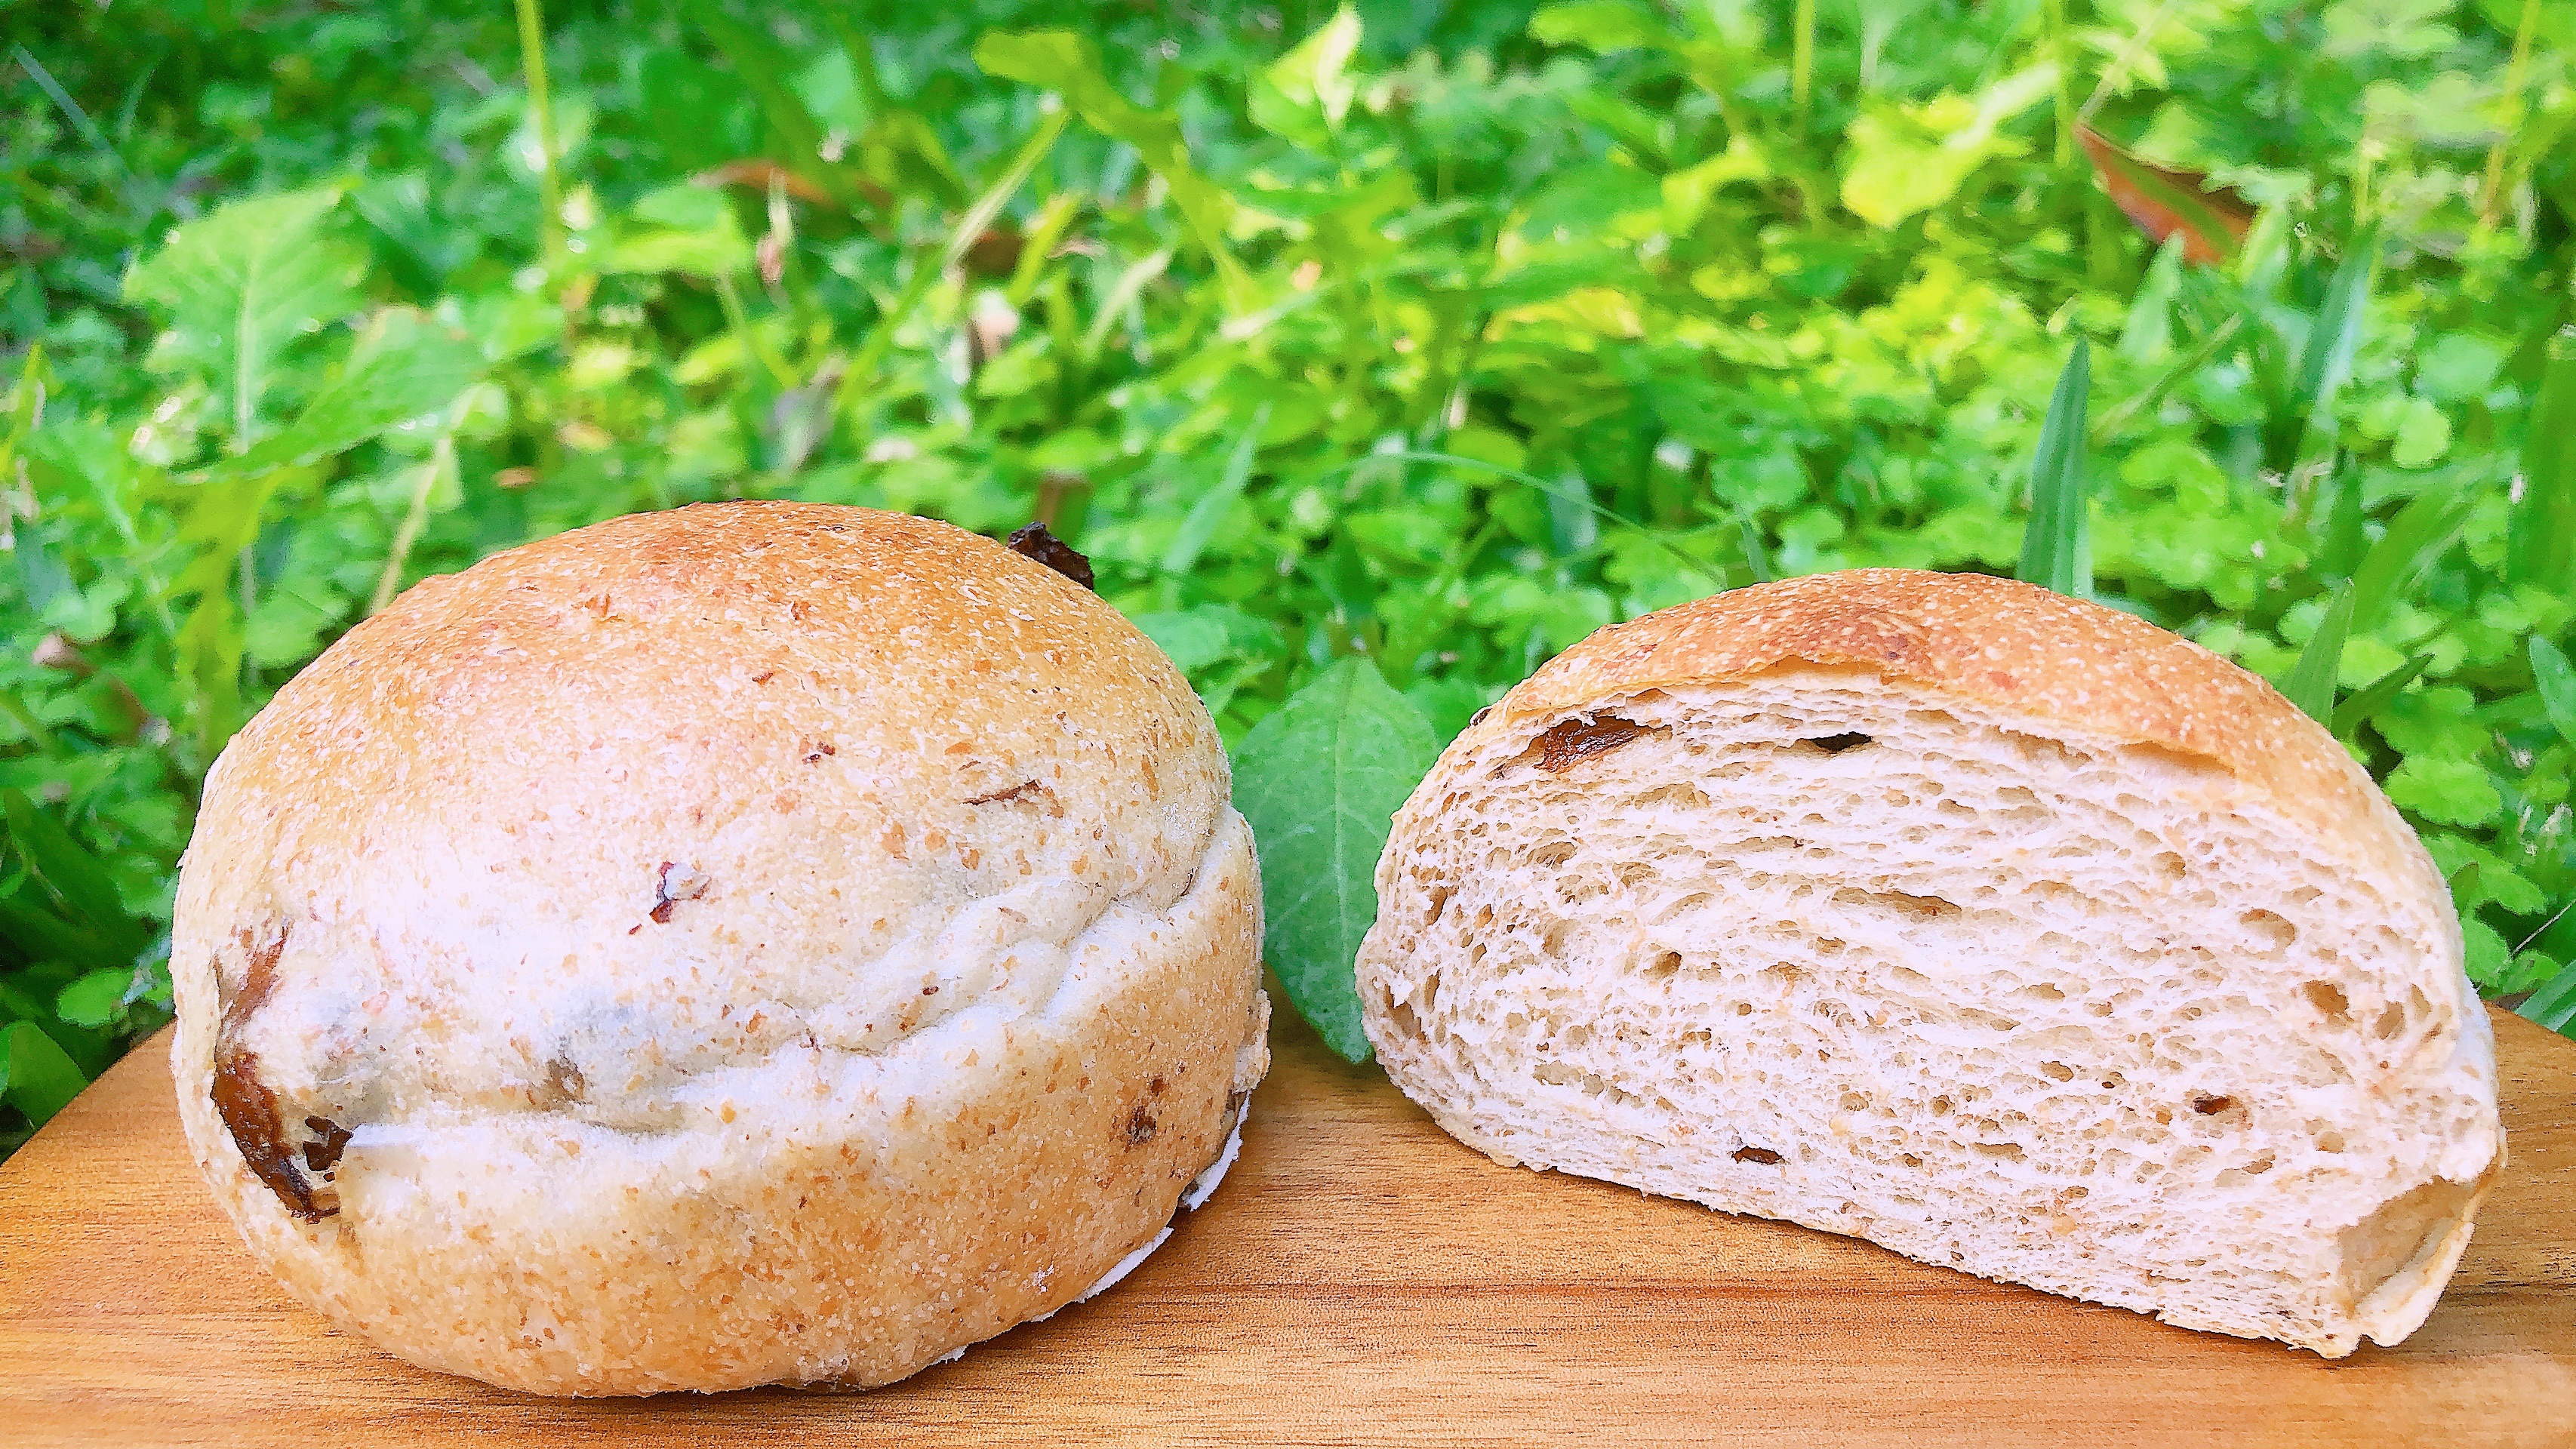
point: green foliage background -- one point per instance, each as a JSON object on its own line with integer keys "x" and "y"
{"x": 1431, "y": 336}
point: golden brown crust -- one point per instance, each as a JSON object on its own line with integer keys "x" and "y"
{"x": 745, "y": 943}
{"x": 2001, "y": 643}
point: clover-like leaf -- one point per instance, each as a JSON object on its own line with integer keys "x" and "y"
{"x": 2455, "y": 792}
{"x": 238, "y": 284}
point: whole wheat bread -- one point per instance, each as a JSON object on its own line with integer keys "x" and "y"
{"x": 2007, "y": 931}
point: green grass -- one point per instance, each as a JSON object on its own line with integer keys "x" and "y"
{"x": 1435, "y": 339}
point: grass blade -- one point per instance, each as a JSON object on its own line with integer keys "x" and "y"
{"x": 425, "y": 481}
{"x": 2541, "y": 534}
{"x": 2345, "y": 541}
{"x": 2199, "y": 356}
{"x": 2061, "y": 54}
{"x": 2375, "y": 696}
{"x": 1130, "y": 285}
{"x": 1069, "y": 65}
{"x": 979, "y": 216}
{"x": 2553, "y": 1004}
{"x": 80, "y": 120}
{"x": 1574, "y": 498}
{"x": 41, "y": 1080}
{"x": 2491, "y": 190}
{"x": 2311, "y": 685}
{"x": 1756, "y": 557}
{"x": 69, "y": 873}
{"x": 2420, "y": 533}
{"x": 764, "y": 67}
{"x": 1200, "y": 524}
{"x": 2056, "y": 550}
{"x": 2326, "y": 362}
{"x": 532, "y": 56}
{"x": 1802, "y": 58}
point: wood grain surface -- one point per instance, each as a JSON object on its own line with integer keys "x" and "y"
{"x": 1360, "y": 1279}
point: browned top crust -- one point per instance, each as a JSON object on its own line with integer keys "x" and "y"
{"x": 740, "y": 939}
{"x": 687, "y": 661}
{"x": 1999, "y": 643}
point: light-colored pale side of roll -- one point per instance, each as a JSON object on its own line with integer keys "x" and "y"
{"x": 2004, "y": 930}
{"x": 752, "y": 943}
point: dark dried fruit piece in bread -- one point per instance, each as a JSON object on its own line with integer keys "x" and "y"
{"x": 718, "y": 947}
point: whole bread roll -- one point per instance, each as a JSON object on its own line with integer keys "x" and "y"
{"x": 752, "y": 943}
{"x": 2007, "y": 931}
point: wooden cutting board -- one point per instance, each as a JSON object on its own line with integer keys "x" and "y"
{"x": 1360, "y": 1279}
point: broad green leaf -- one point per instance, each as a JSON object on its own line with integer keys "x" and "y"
{"x": 403, "y": 369}
{"x": 95, "y": 999}
{"x": 1197, "y": 638}
{"x": 40, "y": 1079}
{"x": 2555, "y": 681}
{"x": 2423, "y": 436}
{"x": 237, "y": 285}
{"x": 2526, "y": 971}
{"x": 2478, "y": 875}
{"x": 1303, "y": 95}
{"x": 2403, "y": 28}
{"x": 1914, "y": 159}
{"x": 2542, "y": 530}
{"x": 2458, "y": 367}
{"x": 696, "y": 110}
{"x": 1192, "y": 641}
{"x": 1605, "y": 26}
{"x": 1320, "y": 781}
{"x": 2463, "y": 884}
{"x": 683, "y": 228}
{"x": 1200, "y": 524}
{"x": 2056, "y": 550}
{"x": 35, "y": 930}
{"x": 2311, "y": 685}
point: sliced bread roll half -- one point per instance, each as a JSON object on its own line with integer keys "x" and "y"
{"x": 2007, "y": 931}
